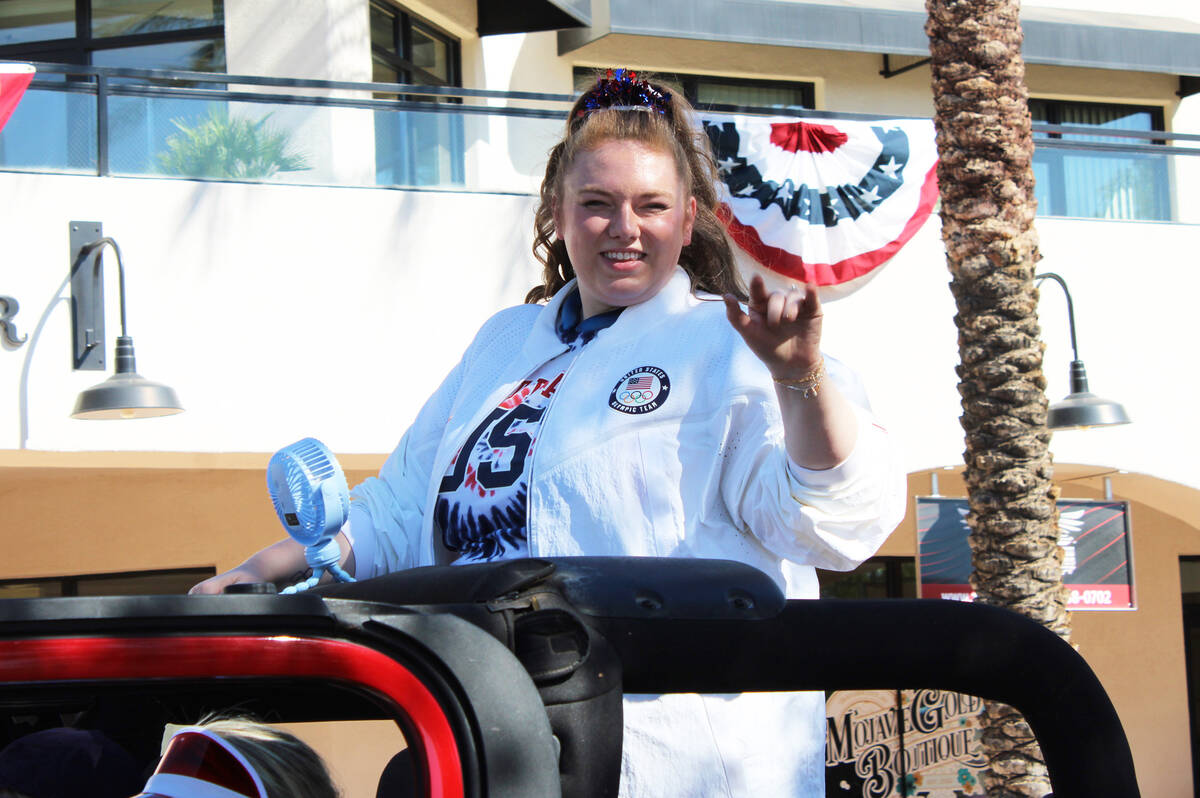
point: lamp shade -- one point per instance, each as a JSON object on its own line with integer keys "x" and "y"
{"x": 126, "y": 394}
{"x": 1082, "y": 409}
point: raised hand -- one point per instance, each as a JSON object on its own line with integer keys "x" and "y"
{"x": 783, "y": 328}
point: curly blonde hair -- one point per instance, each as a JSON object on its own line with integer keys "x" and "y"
{"x": 708, "y": 259}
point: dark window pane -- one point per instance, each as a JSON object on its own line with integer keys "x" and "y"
{"x": 866, "y": 582}
{"x": 384, "y": 73}
{"x": 383, "y": 28}
{"x": 144, "y": 584}
{"x": 130, "y": 17}
{"x": 141, "y": 583}
{"x": 1108, "y": 116}
{"x": 1189, "y": 578}
{"x": 877, "y": 578}
{"x": 42, "y": 589}
{"x": 206, "y": 55}
{"x": 1100, "y": 115}
{"x": 36, "y": 20}
{"x": 585, "y": 79}
{"x": 765, "y": 96}
{"x": 908, "y": 579}
{"x": 431, "y": 54}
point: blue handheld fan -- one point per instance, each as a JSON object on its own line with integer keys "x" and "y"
{"x": 308, "y": 489}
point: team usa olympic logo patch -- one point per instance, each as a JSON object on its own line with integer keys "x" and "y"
{"x": 640, "y": 391}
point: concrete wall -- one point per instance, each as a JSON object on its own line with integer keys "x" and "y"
{"x": 167, "y": 510}
{"x": 315, "y": 39}
{"x": 276, "y": 312}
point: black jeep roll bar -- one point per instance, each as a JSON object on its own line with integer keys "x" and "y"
{"x": 711, "y": 626}
{"x": 506, "y": 677}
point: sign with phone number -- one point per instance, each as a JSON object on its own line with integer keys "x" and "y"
{"x": 1095, "y": 536}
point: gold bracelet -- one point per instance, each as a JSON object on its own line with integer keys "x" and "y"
{"x": 809, "y": 385}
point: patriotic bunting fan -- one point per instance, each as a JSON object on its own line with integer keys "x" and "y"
{"x": 826, "y": 201}
{"x": 14, "y": 79}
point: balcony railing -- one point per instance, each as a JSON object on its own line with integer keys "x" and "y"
{"x": 156, "y": 123}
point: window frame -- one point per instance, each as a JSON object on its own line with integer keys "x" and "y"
{"x": 399, "y": 58}
{"x": 79, "y": 48}
{"x": 405, "y": 173}
{"x": 1056, "y": 193}
{"x": 1055, "y": 109}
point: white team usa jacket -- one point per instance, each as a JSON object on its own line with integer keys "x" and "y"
{"x": 664, "y": 438}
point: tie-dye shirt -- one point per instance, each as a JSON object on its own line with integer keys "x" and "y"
{"x": 482, "y": 502}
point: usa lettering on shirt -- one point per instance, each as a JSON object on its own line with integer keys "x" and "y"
{"x": 482, "y": 499}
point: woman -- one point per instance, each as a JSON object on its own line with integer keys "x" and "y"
{"x": 636, "y": 413}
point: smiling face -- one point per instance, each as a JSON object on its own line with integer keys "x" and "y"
{"x": 624, "y": 216}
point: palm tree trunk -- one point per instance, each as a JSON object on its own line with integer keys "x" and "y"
{"x": 985, "y": 174}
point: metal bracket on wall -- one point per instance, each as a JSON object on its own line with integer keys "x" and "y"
{"x": 888, "y": 72}
{"x": 8, "y": 310}
{"x": 87, "y": 298}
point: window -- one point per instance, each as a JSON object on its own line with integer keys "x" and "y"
{"x": 706, "y": 91}
{"x": 151, "y": 34}
{"x": 405, "y": 49}
{"x": 414, "y": 148}
{"x": 1096, "y": 184}
{"x": 877, "y": 578}
{"x": 147, "y": 34}
{"x": 32, "y": 21}
{"x": 134, "y": 583}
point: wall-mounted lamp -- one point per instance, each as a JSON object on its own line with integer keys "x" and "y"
{"x": 126, "y": 394}
{"x": 1080, "y": 409}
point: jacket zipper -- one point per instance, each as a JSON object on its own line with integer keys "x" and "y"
{"x": 533, "y": 456}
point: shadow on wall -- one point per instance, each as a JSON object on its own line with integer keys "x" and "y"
{"x": 528, "y": 152}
